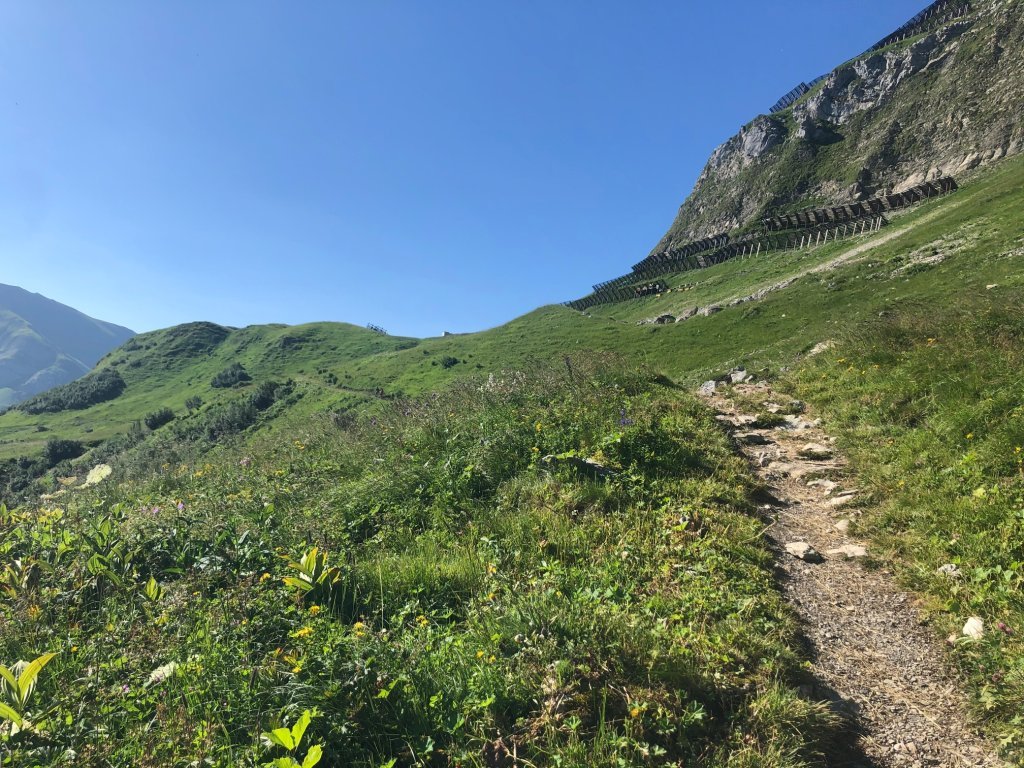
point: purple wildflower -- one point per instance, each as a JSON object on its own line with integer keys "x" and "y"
{"x": 624, "y": 420}
{"x": 181, "y": 506}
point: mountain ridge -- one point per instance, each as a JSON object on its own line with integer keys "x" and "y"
{"x": 44, "y": 343}
{"x": 942, "y": 102}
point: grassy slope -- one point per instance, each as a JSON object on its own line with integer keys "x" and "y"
{"x": 481, "y": 603}
{"x": 769, "y": 332}
{"x": 164, "y": 368}
{"x": 942, "y": 497}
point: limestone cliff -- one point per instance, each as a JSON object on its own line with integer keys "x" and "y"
{"x": 942, "y": 102}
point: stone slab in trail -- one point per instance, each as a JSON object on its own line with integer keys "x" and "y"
{"x": 871, "y": 655}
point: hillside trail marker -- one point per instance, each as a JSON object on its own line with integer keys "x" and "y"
{"x": 871, "y": 657}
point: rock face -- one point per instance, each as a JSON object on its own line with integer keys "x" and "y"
{"x": 941, "y": 104}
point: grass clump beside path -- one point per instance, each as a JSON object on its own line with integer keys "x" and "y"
{"x": 930, "y": 408}
{"x": 427, "y": 585}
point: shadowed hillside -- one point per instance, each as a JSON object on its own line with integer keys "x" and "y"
{"x": 44, "y": 343}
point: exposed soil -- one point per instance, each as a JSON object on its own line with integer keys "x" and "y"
{"x": 872, "y": 656}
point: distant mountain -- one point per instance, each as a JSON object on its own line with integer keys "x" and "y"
{"x": 44, "y": 343}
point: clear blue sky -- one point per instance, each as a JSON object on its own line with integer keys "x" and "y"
{"x": 426, "y": 165}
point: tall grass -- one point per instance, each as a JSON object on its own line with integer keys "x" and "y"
{"x": 930, "y": 406}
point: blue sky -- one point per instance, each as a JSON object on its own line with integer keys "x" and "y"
{"x": 425, "y": 166}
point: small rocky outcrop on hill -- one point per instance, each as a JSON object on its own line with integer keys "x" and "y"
{"x": 941, "y": 104}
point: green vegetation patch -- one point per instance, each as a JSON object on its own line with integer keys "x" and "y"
{"x": 561, "y": 565}
{"x": 930, "y": 408}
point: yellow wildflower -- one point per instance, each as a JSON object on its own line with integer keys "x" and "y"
{"x": 634, "y": 712}
{"x": 479, "y": 654}
{"x": 314, "y": 610}
{"x": 304, "y": 632}
{"x": 264, "y": 577}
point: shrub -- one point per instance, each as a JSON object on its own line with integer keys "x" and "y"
{"x": 194, "y": 403}
{"x": 90, "y": 390}
{"x": 58, "y": 450}
{"x": 230, "y": 376}
{"x": 449, "y": 362}
{"x": 157, "y": 419}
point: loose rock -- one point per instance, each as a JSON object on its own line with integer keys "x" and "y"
{"x": 949, "y": 570}
{"x": 826, "y": 485}
{"x": 707, "y": 388}
{"x": 974, "y": 628}
{"x": 815, "y": 451}
{"x": 804, "y": 551}
{"x": 850, "y": 551}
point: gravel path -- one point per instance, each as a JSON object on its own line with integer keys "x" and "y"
{"x": 871, "y": 655}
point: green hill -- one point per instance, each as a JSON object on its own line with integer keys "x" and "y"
{"x": 44, "y": 343}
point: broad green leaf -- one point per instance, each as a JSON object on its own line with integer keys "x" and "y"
{"x": 27, "y": 681}
{"x": 313, "y": 756}
{"x": 9, "y": 714}
{"x": 282, "y": 737}
{"x": 299, "y": 729}
{"x": 9, "y": 679}
{"x": 291, "y": 581}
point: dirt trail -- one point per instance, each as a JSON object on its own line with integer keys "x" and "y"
{"x": 871, "y": 656}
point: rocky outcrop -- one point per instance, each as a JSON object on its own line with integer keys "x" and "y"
{"x": 942, "y": 104}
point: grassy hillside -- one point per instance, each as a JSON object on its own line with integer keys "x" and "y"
{"x": 442, "y": 582}
{"x": 940, "y": 250}
{"x": 445, "y": 635}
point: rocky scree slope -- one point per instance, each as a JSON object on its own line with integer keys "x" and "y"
{"x": 44, "y": 343}
{"x": 941, "y": 103}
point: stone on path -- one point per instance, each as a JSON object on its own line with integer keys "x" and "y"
{"x": 842, "y": 499}
{"x": 815, "y": 451}
{"x": 842, "y": 525}
{"x": 851, "y": 551}
{"x": 708, "y": 388}
{"x": 804, "y": 551}
{"x": 752, "y": 438}
{"x": 826, "y": 485}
